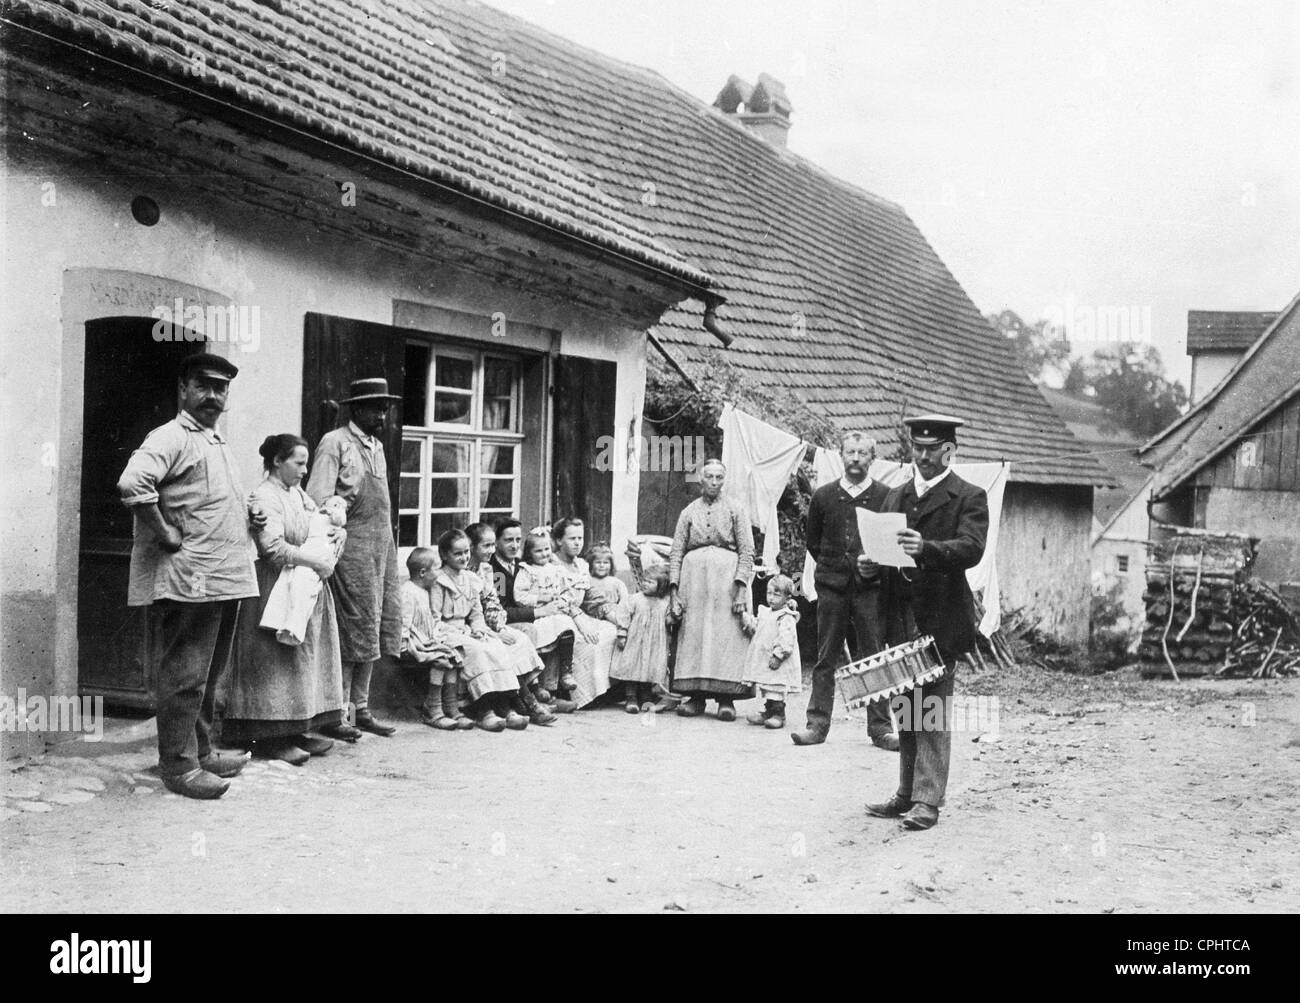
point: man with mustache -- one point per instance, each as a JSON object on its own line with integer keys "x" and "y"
{"x": 849, "y": 593}
{"x": 191, "y": 564}
{"x": 350, "y": 463}
{"x": 947, "y": 524}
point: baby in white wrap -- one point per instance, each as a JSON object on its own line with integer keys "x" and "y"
{"x": 293, "y": 597}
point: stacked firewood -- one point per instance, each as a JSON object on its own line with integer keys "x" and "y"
{"x": 1193, "y": 581}
{"x": 1267, "y": 641}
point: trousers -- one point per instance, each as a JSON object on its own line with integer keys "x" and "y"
{"x": 925, "y": 739}
{"x": 195, "y": 640}
{"x": 356, "y": 684}
{"x": 863, "y": 611}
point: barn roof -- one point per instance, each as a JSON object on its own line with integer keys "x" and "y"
{"x": 1262, "y": 381}
{"x": 831, "y": 291}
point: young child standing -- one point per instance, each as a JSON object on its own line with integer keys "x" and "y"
{"x": 641, "y": 662}
{"x": 772, "y": 659}
{"x": 424, "y": 644}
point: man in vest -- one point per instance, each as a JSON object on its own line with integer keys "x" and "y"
{"x": 349, "y": 463}
{"x": 849, "y": 589}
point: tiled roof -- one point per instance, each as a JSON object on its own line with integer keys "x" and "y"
{"x": 1264, "y": 379}
{"x": 381, "y": 78}
{"x": 1220, "y": 330}
{"x": 831, "y": 291}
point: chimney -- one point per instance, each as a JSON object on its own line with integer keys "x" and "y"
{"x": 762, "y": 108}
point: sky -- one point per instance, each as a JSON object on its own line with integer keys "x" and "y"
{"x": 1106, "y": 165}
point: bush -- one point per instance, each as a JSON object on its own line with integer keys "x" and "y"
{"x": 1109, "y": 643}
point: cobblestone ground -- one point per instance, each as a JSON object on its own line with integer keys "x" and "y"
{"x": 1108, "y": 794}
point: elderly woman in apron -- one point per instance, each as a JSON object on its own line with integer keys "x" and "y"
{"x": 278, "y": 692}
{"x": 367, "y": 589}
{"x": 709, "y": 570}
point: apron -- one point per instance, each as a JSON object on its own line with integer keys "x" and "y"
{"x": 366, "y": 587}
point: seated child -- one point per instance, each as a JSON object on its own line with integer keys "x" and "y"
{"x": 293, "y": 596}
{"x": 528, "y": 663}
{"x": 540, "y": 583}
{"x": 772, "y": 660}
{"x": 641, "y": 662}
{"x": 606, "y": 597}
{"x": 424, "y": 643}
{"x": 489, "y": 668}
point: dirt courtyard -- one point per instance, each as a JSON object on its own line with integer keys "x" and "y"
{"x": 1101, "y": 794}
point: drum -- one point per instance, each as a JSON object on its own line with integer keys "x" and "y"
{"x": 890, "y": 672}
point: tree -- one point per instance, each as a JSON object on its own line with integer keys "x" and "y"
{"x": 1042, "y": 352}
{"x": 1128, "y": 380}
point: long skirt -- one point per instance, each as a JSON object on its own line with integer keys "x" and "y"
{"x": 489, "y": 666}
{"x": 277, "y": 690}
{"x": 711, "y": 645}
{"x": 524, "y": 656}
{"x": 544, "y": 631}
{"x": 592, "y": 662}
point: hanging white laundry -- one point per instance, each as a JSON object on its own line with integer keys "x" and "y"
{"x": 828, "y": 466}
{"x": 992, "y": 478}
{"x": 760, "y": 460}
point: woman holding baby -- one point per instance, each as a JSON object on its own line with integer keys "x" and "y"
{"x": 285, "y": 684}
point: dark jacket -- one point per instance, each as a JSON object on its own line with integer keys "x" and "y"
{"x": 953, "y": 520}
{"x": 505, "y": 583}
{"x": 831, "y": 532}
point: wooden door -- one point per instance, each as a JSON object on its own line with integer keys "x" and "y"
{"x": 130, "y": 389}
{"x": 584, "y": 412}
{"x": 336, "y": 351}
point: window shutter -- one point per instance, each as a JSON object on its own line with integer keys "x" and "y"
{"x": 584, "y": 411}
{"x": 337, "y": 351}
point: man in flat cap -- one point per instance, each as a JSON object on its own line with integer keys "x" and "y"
{"x": 350, "y": 463}
{"x": 191, "y": 564}
{"x": 947, "y": 523}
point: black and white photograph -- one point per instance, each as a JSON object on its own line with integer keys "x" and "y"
{"x": 590, "y": 456}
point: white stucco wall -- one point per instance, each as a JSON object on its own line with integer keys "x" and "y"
{"x": 253, "y": 260}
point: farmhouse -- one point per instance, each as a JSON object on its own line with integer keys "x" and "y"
{"x": 1232, "y": 463}
{"x": 492, "y": 218}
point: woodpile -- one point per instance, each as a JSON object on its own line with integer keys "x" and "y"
{"x": 1267, "y": 642}
{"x": 1203, "y": 608}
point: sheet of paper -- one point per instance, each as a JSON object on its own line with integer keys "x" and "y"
{"x": 879, "y": 532}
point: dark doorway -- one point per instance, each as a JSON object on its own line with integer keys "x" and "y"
{"x": 130, "y": 389}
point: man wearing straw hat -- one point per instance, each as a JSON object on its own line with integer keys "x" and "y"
{"x": 349, "y": 463}
{"x": 947, "y": 523}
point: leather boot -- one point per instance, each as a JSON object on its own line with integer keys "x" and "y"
{"x": 532, "y": 708}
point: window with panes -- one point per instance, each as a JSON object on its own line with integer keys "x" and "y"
{"x": 462, "y": 441}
